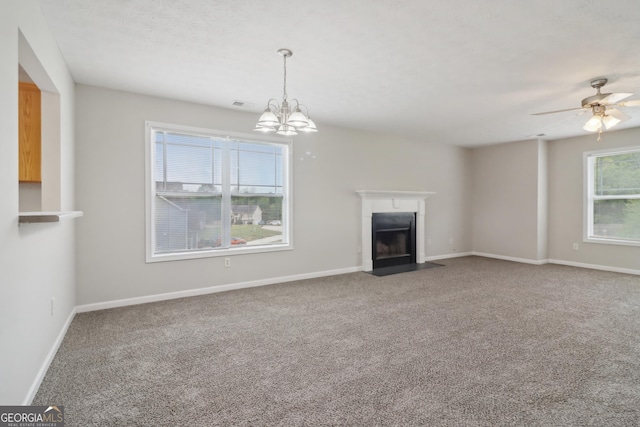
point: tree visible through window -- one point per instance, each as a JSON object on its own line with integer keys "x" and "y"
{"x": 213, "y": 192}
{"x": 614, "y": 196}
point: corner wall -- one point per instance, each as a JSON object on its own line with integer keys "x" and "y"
{"x": 509, "y": 201}
{"x": 36, "y": 260}
{"x": 528, "y": 203}
{"x": 326, "y": 209}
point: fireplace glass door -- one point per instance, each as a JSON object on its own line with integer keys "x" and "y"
{"x": 393, "y": 238}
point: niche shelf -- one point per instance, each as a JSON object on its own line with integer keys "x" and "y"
{"x": 31, "y": 217}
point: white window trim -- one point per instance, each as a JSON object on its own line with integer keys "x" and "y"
{"x": 587, "y": 228}
{"x": 150, "y": 186}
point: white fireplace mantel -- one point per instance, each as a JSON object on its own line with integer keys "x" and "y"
{"x": 380, "y": 201}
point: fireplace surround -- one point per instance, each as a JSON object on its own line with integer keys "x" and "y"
{"x": 384, "y": 201}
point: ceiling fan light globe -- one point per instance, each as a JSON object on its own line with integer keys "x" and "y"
{"x": 610, "y": 121}
{"x": 594, "y": 124}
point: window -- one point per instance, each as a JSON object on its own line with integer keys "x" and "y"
{"x": 613, "y": 197}
{"x": 211, "y": 193}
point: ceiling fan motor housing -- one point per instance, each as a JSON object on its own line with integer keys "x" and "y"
{"x": 595, "y": 99}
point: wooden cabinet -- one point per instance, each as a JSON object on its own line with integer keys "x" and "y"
{"x": 29, "y": 133}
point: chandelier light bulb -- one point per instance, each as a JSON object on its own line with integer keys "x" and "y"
{"x": 268, "y": 118}
{"x": 298, "y": 119}
{"x": 286, "y": 130}
{"x": 311, "y": 127}
{"x": 264, "y": 129}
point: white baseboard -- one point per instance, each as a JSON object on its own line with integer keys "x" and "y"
{"x": 210, "y": 290}
{"x": 47, "y": 361}
{"x": 561, "y": 262}
{"x": 510, "y": 258}
{"x": 596, "y": 267}
{"x": 446, "y": 256}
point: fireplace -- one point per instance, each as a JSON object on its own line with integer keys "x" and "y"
{"x": 393, "y": 202}
{"x": 393, "y": 237}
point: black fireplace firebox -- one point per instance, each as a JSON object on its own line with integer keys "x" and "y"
{"x": 393, "y": 237}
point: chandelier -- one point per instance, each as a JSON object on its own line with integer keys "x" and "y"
{"x": 285, "y": 118}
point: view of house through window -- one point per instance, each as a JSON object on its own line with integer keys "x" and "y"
{"x": 215, "y": 192}
{"x": 613, "y": 208}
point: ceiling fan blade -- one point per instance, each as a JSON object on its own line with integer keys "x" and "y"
{"x": 614, "y": 97}
{"x": 557, "y": 111}
{"x": 618, "y": 114}
{"x": 541, "y": 131}
{"x": 633, "y": 103}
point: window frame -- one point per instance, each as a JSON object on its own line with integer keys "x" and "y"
{"x": 590, "y": 197}
{"x": 150, "y": 192}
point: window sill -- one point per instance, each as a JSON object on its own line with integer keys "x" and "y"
{"x": 612, "y": 242}
{"x": 177, "y": 256}
{"x": 33, "y": 217}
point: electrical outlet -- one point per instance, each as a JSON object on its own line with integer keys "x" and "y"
{"x": 576, "y": 246}
{"x": 359, "y": 249}
{"x": 227, "y": 262}
{"x": 451, "y": 241}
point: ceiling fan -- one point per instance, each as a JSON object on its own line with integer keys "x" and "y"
{"x": 602, "y": 106}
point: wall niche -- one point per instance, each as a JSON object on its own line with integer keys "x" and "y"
{"x": 29, "y": 143}
{"x": 39, "y": 141}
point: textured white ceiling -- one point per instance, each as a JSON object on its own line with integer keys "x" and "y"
{"x": 461, "y": 72}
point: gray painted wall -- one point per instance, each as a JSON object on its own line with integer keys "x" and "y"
{"x": 326, "y": 228}
{"x": 506, "y": 189}
{"x": 528, "y": 201}
{"x": 36, "y": 260}
{"x": 566, "y": 202}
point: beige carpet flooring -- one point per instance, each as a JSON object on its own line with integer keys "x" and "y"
{"x": 477, "y": 342}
